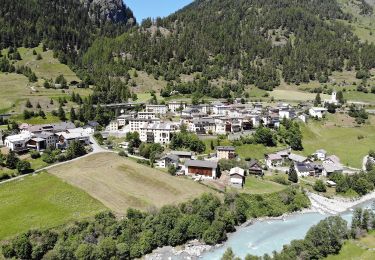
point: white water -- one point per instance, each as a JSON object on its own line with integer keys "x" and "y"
{"x": 270, "y": 235}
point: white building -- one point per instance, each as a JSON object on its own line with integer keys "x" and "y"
{"x": 237, "y": 176}
{"x": 221, "y": 109}
{"x": 146, "y": 115}
{"x": 176, "y": 106}
{"x": 333, "y": 99}
{"x": 113, "y": 126}
{"x": 18, "y": 142}
{"x": 320, "y": 154}
{"x": 136, "y": 123}
{"x": 157, "y": 109}
{"x": 317, "y": 112}
{"x": 160, "y": 133}
{"x": 73, "y": 135}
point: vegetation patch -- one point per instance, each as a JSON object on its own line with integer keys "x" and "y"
{"x": 42, "y": 201}
{"x": 120, "y": 183}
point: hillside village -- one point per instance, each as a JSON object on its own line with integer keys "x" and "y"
{"x": 224, "y": 129}
{"x": 158, "y": 124}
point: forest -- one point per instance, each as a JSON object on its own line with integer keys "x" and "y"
{"x": 253, "y": 42}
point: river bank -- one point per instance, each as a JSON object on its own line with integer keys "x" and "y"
{"x": 257, "y": 232}
{"x": 336, "y": 205}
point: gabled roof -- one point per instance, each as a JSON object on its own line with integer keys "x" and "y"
{"x": 297, "y": 158}
{"x": 226, "y": 148}
{"x": 203, "y": 164}
{"x": 237, "y": 171}
{"x": 181, "y": 153}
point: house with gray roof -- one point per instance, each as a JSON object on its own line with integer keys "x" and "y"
{"x": 206, "y": 169}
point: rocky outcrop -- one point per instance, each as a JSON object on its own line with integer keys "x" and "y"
{"x": 109, "y": 10}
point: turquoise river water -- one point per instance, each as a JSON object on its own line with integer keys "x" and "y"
{"x": 270, "y": 235}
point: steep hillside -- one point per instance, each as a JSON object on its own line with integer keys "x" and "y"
{"x": 261, "y": 42}
{"x": 67, "y": 27}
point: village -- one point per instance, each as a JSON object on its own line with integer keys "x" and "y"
{"x": 158, "y": 124}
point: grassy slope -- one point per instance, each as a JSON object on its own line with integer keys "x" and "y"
{"x": 15, "y": 89}
{"x": 42, "y": 201}
{"x": 340, "y": 138}
{"x": 123, "y": 183}
{"x": 255, "y": 185}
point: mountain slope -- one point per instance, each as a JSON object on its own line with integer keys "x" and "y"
{"x": 64, "y": 26}
{"x": 255, "y": 41}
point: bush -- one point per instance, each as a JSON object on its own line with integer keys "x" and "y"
{"x": 123, "y": 154}
{"x": 35, "y": 154}
{"x": 320, "y": 186}
{"x": 281, "y": 180}
{"x": 23, "y": 167}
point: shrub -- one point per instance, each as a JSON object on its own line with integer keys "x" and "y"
{"x": 123, "y": 154}
{"x": 35, "y": 154}
{"x": 320, "y": 186}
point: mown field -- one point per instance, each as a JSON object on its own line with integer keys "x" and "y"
{"x": 254, "y": 185}
{"x": 122, "y": 183}
{"x": 340, "y": 137}
{"x": 362, "y": 249}
{"x": 42, "y": 201}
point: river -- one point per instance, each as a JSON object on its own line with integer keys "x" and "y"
{"x": 270, "y": 235}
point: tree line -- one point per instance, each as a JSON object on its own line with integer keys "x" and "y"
{"x": 206, "y": 218}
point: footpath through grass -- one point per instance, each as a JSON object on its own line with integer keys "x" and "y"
{"x": 42, "y": 201}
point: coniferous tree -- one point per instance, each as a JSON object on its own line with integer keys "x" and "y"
{"x": 292, "y": 174}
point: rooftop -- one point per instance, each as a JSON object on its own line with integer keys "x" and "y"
{"x": 202, "y": 164}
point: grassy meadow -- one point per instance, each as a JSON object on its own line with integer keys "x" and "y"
{"x": 123, "y": 183}
{"x": 15, "y": 89}
{"x": 42, "y": 201}
{"x": 254, "y": 185}
{"x": 338, "y": 135}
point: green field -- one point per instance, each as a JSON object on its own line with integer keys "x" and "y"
{"x": 254, "y": 185}
{"x": 42, "y": 201}
{"x": 15, "y": 89}
{"x": 343, "y": 141}
{"x": 36, "y": 120}
{"x": 255, "y": 151}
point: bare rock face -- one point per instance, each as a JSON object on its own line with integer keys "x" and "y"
{"x": 109, "y": 10}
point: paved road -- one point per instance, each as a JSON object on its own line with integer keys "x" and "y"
{"x": 96, "y": 148}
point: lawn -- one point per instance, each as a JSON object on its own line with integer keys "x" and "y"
{"x": 343, "y": 141}
{"x": 254, "y": 185}
{"x": 42, "y": 201}
{"x": 36, "y": 120}
{"x": 123, "y": 183}
{"x": 255, "y": 151}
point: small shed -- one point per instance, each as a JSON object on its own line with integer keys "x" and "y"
{"x": 237, "y": 176}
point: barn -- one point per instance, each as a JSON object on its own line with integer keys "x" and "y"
{"x": 206, "y": 169}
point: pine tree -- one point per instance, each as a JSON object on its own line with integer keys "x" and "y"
{"x": 61, "y": 113}
{"x": 292, "y": 175}
{"x": 73, "y": 116}
{"x": 318, "y": 100}
{"x": 28, "y": 104}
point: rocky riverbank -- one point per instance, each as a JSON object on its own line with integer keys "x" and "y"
{"x": 191, "y": 250}
{"x": 336, "y": 205}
